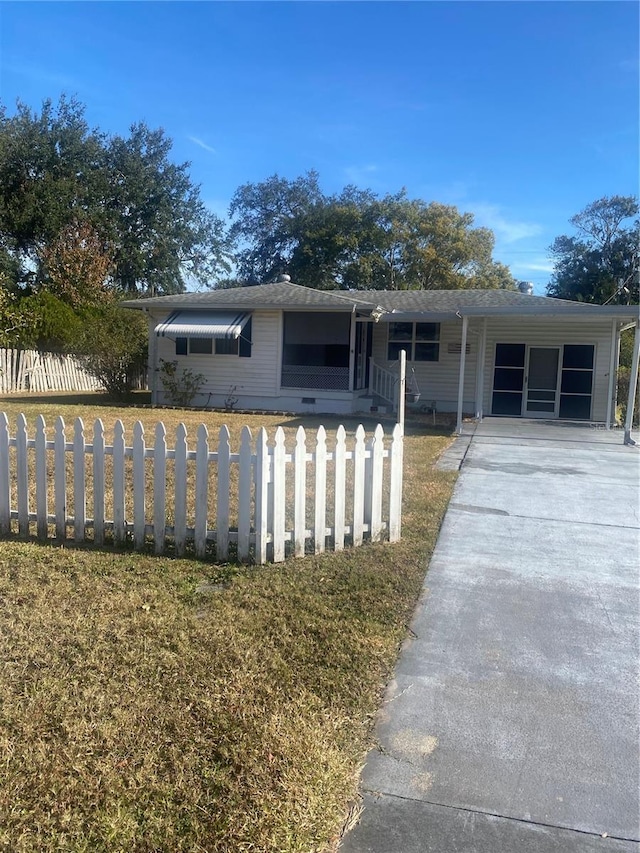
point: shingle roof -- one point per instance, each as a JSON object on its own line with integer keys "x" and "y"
{"x": 280, "y": 294}
{"x": 290, "y": 296}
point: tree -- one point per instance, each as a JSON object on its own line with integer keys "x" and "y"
{"x": 599, "y": 263}
{"x": 112, "y": 346}
{"x": 357, "y": 240}
{"x": 267, "y": 217}
{"x": 57, "y": 175}
{"x": 77, "y": 265}
{"x": 162, "y": 233}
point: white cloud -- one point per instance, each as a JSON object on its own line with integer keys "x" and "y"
{"x": 545, "y": 266}
{"x": 506, "y": 231}
{"x": 197, "y": 141}
{"x": 358, "y": 174}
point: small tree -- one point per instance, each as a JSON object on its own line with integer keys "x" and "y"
{"x": 112, "y": 346}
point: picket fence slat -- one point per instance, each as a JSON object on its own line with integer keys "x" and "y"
{"x": 244, "y": 498}
{"x": 159, "y": 487}
{"x": 79, "y": 497}
{"x": 139, "y": 480}
{"x": 41, "y": 478}
{"x": 267, "y": 489}
{"x": 395, "y": 484}
{"x": 300, "y": 493}
{"x": 60, "y": 480}
{"x": 339, "y": 486}
{"x": 377, "y": 461}
{"x": 222, "y": 514}
{"x": 358, "y": 486}
{"x": 320, "y": 520}
{"x": 23, "y": 476}
{"x": 119, "y": 510}
{"x": 180, "y": 509}
{"x": 98, "y": 483}
{"x": 278, "y": 496}
{"x": 5, "y": 477}
{"x": 262, "y": 495}
{"x": 202, "y": 490}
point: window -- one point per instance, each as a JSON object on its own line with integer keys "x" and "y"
{"x": 219, "y": 346}
{"x": 420, "y": 340}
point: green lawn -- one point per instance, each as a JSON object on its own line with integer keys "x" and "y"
{"x": 152, "y": 704}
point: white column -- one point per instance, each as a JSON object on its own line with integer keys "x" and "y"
{"x": 633, "y": 384}
{"x": 482, "y": 354}
{"x": 352, "y": 350}
{"x": 463, "y": 359}
{"x": 402, "y": 385}
{"x": 613, "y": 365}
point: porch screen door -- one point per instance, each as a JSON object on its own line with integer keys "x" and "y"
{"x": 363, "y": 353}
{"x": 542, "y": 382}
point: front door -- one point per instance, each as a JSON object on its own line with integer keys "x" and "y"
{"x": 541, "y": 382}
{"x": 362, "y": 355}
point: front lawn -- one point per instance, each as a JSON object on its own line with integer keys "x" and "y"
{"x": 150, "y": 704}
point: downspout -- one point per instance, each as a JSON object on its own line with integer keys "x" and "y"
{"x": 633, "y": 385}
{"x": 463, "y": 358}
{"x": 612, "y": 374}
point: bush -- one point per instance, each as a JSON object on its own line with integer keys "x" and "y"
{"x": 112, "y": 346}
{"x": 48, "y": 323}
{"x": 181, "y": 387}
{"x": 624, "y": 377}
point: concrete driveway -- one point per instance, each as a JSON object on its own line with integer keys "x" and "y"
{"x": 513, "y": 720}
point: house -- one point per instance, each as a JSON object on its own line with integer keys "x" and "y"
{"x": 284, "y": 347}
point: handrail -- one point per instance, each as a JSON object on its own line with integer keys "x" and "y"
{"x": 383, "y": 382}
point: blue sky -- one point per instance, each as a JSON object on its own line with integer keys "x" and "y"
{"x": 519, "y": 112}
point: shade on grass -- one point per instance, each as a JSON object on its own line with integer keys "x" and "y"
{"x": 168, "y": 705}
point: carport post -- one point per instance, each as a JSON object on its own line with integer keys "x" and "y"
{"x": 463, "y": 358}
{"x": 482, "y": 354}
{"x": 633, "y": 385}
{"x": 613, "y": 363}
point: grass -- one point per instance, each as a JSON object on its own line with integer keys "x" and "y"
{"x": 151, "y": 704}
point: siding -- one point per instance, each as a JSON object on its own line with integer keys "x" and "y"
{"x": 437, "y": 380}
{"x": 554, "y": 332}
{"x": 252, "y": 377}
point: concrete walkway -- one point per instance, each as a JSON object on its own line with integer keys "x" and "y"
{"x": 513, "y": 721}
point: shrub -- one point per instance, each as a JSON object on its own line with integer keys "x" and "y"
{"x": 181, "y": 387}
{"x": 624, "y": 377}
{"x": 112, "y": 346}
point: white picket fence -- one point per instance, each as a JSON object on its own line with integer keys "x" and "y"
{"x": 29, "y": 370}
{"x": 266, "y": 500}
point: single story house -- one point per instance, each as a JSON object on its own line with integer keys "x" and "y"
{"x": 284, "y": 347}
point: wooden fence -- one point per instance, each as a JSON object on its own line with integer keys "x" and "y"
{"x": 266, "y": 502}
{"x": 29, "y": 370}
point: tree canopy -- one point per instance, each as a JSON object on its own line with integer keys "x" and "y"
{"x": 599, "y": 263}
{"x": 67, "y": 189}
{"x": 358, "y": 240}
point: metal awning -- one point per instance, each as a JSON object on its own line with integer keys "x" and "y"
{"x": 203, "y": 324}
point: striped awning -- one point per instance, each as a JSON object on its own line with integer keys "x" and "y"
{"x": 203, "y": 324}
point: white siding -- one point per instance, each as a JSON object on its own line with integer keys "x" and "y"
{"x": 437, "y": 380}
{"x": 554, "y": 332}
{"x": 256, "y": 376}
